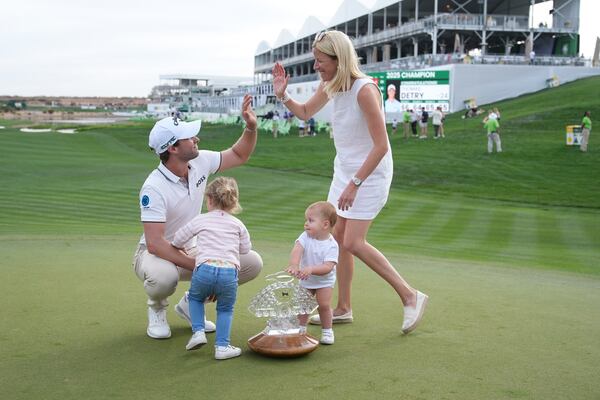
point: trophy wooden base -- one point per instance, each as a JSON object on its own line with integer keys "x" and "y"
{"x": 283, "y": 346}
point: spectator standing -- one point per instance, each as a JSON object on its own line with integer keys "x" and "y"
{"x": 406, "y": 122}
{"x": 586, "y": 129}
{"x": 436, "y": 120}
{"x": 301, "y": 127}
{"x": 311, "y": 127}
{"x": 414, "y": 120}
{"x": 492, "y": 125}
{"x": 424, "y": 121}
{"x": 394, "y": 126}
{"x": 275, "y": 124}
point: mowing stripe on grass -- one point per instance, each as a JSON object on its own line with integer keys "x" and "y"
{"x": 454, "y": 227}
{"x": 549, "y": 242}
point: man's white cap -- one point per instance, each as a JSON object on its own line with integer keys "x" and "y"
{"x": 391, "y": 85}
{"x": 169, "y": 130}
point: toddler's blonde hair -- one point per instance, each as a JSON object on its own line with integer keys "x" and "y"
{"x": 325, "y": 210}
{"x": 224, "y": 194}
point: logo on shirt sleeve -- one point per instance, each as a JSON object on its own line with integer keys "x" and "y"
{"x": 145, "y": 200}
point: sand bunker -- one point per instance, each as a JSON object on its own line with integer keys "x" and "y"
{"x": 33, "y": 130}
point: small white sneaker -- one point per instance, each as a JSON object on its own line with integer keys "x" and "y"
{"x": 413, "y": 315}
{"x": 197, "y": 340}
{"x": 158, "y": 327}
{"x": 225, "y": 352}
{"x": 327, "y": 337}
{"x": 183, "y": 310}
{"x": 336, "y": 319}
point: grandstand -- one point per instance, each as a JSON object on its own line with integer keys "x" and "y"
{"x": 464, "y": 37}
{"x": 420, "y": 33}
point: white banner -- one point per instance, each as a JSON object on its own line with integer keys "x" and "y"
{"x": 416, "y": 91}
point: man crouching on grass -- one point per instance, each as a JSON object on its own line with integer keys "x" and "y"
{"x": 172, "y": 196}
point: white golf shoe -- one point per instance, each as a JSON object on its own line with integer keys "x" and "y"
{"x": 225, "y": 352}
{"x": 183, "y": 310}
{"x": 197, "y": 340}
{"x": 158, "y": 327}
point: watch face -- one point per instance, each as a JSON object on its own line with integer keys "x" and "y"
{"x": 356, "y": 181}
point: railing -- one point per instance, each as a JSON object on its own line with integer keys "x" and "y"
{"x": 429, "y": 60}
{"x": 475, "y": 21}
{"x": 395, "y": 32}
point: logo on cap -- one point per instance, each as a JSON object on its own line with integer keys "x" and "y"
{"x": 170, "y": 142}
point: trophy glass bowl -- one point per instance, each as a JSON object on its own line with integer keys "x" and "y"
{"x": 282, "y": 301}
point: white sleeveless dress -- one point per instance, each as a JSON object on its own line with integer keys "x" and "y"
{"x": 352, "y": 144}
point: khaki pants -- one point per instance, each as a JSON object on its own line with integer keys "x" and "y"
{"x": 494, "y": 137}
{"x": 585, "y": 136}
{"x": 160, "y": 277}
{"x": 406, "y": 129}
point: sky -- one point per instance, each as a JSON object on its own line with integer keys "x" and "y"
{"x": 120, "y": 47}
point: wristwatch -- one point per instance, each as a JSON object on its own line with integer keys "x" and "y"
{"x": 357, "y": 181}
{"x": 285, "y": 98}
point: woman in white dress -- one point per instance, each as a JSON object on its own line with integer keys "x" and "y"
{"x": 363, "y": 166}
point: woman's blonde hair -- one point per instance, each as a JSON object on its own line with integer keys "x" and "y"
{"x": 224, "y": 194}
{"x": 338, "y": 45}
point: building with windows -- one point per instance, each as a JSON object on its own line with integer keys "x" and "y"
{"x": 411, "y": 34}
{"x": 195, "y": 92}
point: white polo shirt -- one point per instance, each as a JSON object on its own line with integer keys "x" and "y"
{"x": 167, "y": 198}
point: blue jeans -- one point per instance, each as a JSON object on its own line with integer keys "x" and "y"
{"x": 222, "y": 282}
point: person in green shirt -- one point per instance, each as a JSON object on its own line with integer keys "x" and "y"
{"x": 586, "y": 128}
{"x": 406, "y": 122}
{"x": 492, "y": 125}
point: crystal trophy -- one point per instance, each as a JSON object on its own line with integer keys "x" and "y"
{"x": 282, "y": 301}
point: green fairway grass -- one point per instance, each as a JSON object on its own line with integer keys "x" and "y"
{"x": 506, "y": 245}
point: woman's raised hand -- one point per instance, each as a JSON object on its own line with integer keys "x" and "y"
{"x": 280, "y": 80}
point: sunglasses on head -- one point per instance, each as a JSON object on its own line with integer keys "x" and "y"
{"x": 320, "y": 36}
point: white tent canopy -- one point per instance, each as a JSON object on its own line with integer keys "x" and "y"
{"x": 262, "y": 47}
{"x": 349, "y": 10}
{"x": 311, "y": 26}
{"x": 284, "y": 37}
{"x": 379, "y": 4}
